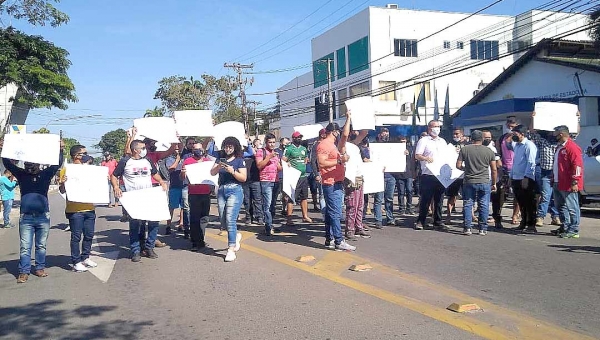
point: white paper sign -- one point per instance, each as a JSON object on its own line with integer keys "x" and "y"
{"x": 87, "y": 183}
{"x": 444, "y": 166}
{"x": 158, "y": 128}
{"x": 353, "y": 166}
{"x": 290, "y": 180}
{"x": 38, "y": 148}
{"x": 196, "y": 123}
{"x": 373, "y": 181}
{"x": 230, "y": 129}
{"x": 199, "y": 173}
{"x": 390, "y": 155}
{"x": 549, "y": 115}
{"x": 146, "y": 204}
{"x": 363, "y": 113}
{"x": 309, "y": 131}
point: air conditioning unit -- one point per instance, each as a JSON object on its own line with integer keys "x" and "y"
{"x": 391, "y": 6}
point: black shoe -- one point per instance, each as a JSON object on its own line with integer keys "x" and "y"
{"x": 136, "y": 257}
{"x": 168, "y": 231}
{"x": 124, "y": 218}
{"x": 194, "y": 248}
{"x": 530, "y": 230}
{"x": 558, "y": 231}
{"x": 186, "y": 234}
{"x": 149, "y": 253}
{"x": 498, "y": 225}
{"x": 179, "y": 229}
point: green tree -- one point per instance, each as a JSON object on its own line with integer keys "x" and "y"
{"x": 208, "y": 93}
{"x": 37, "y": 67}
{"x": 595, "y": 22}
{"x": 69, "y": 142}
{"x": 41, "y": 130}
{"x": 113, "y": 142}
{"x": 36, "y": 12}
{"x": 155, "y": 112}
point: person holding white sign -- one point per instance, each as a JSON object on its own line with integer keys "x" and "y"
{"x": 35, "y": 213}
{"x": 232, "y": 173}
{"x": 199, "y": 199}
{"x": 81, "y": 216}
{"x": 428, "y": 149}
{"x": 136, "y": 172}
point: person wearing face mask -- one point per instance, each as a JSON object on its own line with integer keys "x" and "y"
{"x": 199, "y": 199}
{"x": 428, "y": 148}
{"x": 568, "y": 181}
{"x": 296, "y": 156}
{"x": 497, "y": 196}
{"x": 82, "y": 218}
{"x": 594, "y": 149}
{"x": 522, "y": 177}
{"x": 458, "y": 140}
{"x": 174, "y": 165}
{"x": 506, "y": 152}
{"x": 252, "y": 194}
{"x": 34, "y": 224}
{"x": 268, "y": 163}
{"x": 111, "y": 164}
{"x": 136, "y": 172}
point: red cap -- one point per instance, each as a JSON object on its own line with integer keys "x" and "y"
{"x": 296, "y": 134}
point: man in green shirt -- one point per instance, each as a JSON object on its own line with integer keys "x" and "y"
{"x": 297, "y": 157}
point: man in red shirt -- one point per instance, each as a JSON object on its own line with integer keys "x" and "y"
{"x": 332, "y": 171}
{"x": 111, "y": 164}
{"x": 568, "y": 181}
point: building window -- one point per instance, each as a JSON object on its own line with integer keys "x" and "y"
{"x": 460, "y": 45}
{"x": 320, "y": 70}
{"x": 322, "y": 109}
{"x": 388, "y": 88}
{"x": 427, "y": 91}
{"x": 358, "y": 89}
{"x": 446, "y": 44}
{"x": 358, "y": 55}
{"x": 516, "y": 46}
{"x": 342, "y": 95}
{"x": 405, "y": 48}
{"x": 341, "y": 62}
{"x": 484, "y": 49}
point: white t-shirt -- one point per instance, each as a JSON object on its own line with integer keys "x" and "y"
{"x": 136, "y": 173}
{"x": 429, "y": 147}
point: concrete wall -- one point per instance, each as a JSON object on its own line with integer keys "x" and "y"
{"x": 9, "y": 112}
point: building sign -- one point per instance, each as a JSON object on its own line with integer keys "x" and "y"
{"x": 566, "y": 94}
{"x": 18, "y": 129}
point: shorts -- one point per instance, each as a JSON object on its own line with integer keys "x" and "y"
{"x": 454, "y": 188}
{"x": 175, "y": 198}
{"x": 302, "y": 189}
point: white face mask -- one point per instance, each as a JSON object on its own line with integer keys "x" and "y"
{"x": 457, "y": 139}
{"x": 143, "y": 153}
{"x": 435, "y": 131}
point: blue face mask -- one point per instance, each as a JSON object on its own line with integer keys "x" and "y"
{"x": 86, "y": 158}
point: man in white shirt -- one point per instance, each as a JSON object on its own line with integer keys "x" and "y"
{"x": 428, "y": 149}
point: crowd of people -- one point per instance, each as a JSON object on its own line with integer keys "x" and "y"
{"x": 543, "y": 171}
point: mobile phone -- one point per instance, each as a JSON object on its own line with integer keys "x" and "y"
{"x": 223, "y": 161}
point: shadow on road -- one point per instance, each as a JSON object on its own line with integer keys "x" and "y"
{"x": 46, "y": 320}
{"x": 576, "y": 249}
{"x": 12, "y": 266}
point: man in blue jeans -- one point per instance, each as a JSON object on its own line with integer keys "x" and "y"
{"x": 268, "y": 163}
{"x": 543, "y": 176}
{"x": 35, "y": 213}
{"x": 136, "y": 172}
{"x": 479, "y": 163}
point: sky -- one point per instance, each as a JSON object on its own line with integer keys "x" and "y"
{"x": 120, "y": 49}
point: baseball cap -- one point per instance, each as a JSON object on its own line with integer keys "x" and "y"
{"x": 332, "y": 127}
{"x": 297, "y": 134}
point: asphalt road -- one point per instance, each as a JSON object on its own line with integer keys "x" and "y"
{"x": 529, "y": 286}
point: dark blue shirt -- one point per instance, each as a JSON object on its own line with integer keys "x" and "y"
{"x": 34, "y": 187}
{"x": 227, "y": 178}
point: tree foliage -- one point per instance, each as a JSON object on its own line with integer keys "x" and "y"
{"x": 156, "y": 112}
{"x": 36, "y": 12}
{"x": 595, "y": 21}
{"x": 41, "y": 130}
{"x": 208, "y": 93}
{"x": 113, "y": 142}
{"x": 37, "y": 67}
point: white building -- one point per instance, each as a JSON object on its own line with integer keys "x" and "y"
{"x": 391, "y": 52}
{"x": 11, "y": 112}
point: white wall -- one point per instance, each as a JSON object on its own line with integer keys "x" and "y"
{"x": 15, "y": 114}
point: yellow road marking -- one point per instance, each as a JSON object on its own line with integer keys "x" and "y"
{"x": 332, "y": 264}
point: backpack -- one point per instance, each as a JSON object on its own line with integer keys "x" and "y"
{"x": 162, "y": 170}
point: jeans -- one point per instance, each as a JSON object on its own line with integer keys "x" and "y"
{"x": 354, "y": 199}
{"x": 526, "y": 200}
{"x": 275, "y": 194}
{"x": 81, "y": 223}
{"x": 431, "y": 189}
{"x": 229, "y": 199}
{"x": 544, "y": 179}
{"x": 266, "y": 189}
{"x": 405, "y": 194}
{"x": 199, "y": 209}
{"x": 136, "y": 228}
{"x": 111, "y": 194}
{"x": 253, "y": 201}
{"x": 33, "y": 226}
{"x": 377, "y": 203}
{"x": 7, "y": 206}
{"x": 185, "y": 199}
{"x": 481, "y": 192}
{"x": 333, "y": 199}
{"x": 388, "y": 195}
{"x": 570, "y": 212}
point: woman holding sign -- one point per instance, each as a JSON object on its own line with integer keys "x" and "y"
{"x": 232, "y": 173}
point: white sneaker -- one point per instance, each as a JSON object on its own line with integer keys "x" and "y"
{"x": 89, "y": 263}
{"x": 230, "y": 257}
{"x": 344, "y": 246}
{"x": 238, "y": 239}
{"x": 79, "y": 267}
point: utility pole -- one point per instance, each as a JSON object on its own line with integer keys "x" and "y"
{"x": 329, "y": 92}
{"x": 239, "y": 68}
{"x": 256, "y": 119}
